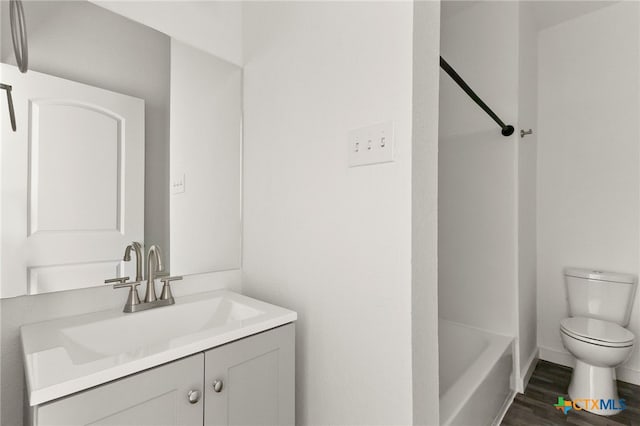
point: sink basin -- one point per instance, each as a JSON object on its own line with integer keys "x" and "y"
{"x": 151, "y": 330}
{"x": 71, "y": 354}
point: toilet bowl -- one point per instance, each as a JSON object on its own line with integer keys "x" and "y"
{"x": 598, "y": 346}
{"x": 600, "y": 305}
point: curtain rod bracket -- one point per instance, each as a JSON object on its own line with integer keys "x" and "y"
{"x": 12, "y": 114}
{"x": 507, "y": 130}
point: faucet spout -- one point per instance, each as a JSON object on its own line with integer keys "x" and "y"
{"x": 154, "y": 265}
{"x": 137, "y": 248}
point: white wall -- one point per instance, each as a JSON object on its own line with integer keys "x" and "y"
{"x": 2, "y": 27}
{"x": 477, "y": 231}
{"x": 206, "y": 140}
{"x": 332, "y": 242}
{"x": 588, "y": 161}
{"x": 213, "y": 26}
{"x": 424, "y": 221}
{"x": 527, "y": 152}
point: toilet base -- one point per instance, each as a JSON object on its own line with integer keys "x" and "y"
{"x": 589, "y": 384}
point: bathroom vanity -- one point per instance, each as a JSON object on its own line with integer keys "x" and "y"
{"x": 212, "y": 359}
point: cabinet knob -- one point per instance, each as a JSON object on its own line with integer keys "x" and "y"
{"x": 217, "y": 385}
{"x": 194, "y": 396}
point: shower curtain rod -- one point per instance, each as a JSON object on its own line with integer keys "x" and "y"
{"x": 507, "y": 130}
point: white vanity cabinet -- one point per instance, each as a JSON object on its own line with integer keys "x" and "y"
{"x": 153, "y": 397}
{"x": 251, "y": 381}
{"x": 256, "y": 387}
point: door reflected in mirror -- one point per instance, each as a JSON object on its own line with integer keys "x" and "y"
{"x": 122, "y": 134}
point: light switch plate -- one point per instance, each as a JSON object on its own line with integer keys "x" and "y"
{"x": 177, "y": 184}
{"x": 371, "y": 145}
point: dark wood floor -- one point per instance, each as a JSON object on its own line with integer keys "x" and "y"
{"x": 549, "y": 381}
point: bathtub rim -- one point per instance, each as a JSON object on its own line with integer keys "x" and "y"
{"x": 459, "y": 393}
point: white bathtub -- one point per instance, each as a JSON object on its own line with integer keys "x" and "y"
{"x": 475, "y": 374}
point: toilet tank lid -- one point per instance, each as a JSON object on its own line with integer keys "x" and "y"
{"x": 590, "y": 274}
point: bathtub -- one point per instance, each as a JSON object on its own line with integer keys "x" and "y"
{"x": 475, "y": 375}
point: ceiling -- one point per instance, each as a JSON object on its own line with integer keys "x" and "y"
{"x": 546, "y": 13}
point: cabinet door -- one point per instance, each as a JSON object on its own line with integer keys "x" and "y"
{"x": 155, "y": 397}
{"x": 257, "y": 375}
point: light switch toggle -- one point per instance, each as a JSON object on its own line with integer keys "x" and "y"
{"x": 379, "y": 139}
{"x": 177, "y": 184}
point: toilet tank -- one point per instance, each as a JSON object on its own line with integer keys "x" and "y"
{"x": 602, "y": 295}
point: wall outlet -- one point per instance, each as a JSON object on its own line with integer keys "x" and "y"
{"x": 177, "y": 184}
{"x": 371, "y": 145}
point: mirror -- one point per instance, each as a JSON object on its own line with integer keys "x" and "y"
{"x": 123, "y": 134}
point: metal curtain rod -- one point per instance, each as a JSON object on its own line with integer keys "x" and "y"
{"x": 507, "y": 130}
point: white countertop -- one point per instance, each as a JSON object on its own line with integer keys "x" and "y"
{"x": 71, "y": 354}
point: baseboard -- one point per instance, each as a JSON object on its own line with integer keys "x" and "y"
{"x": 530, "y": 367}
{"x": 628, "y": 375}
{"x": 504, "y": 409}
{"x": 557, "y": 357}
{"x": 624, "y": 374}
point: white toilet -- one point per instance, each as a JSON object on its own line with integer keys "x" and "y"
{"x": 600, "y": 305}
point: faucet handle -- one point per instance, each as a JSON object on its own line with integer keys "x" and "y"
{"x": 166, "y": 288}
{"x": 116, "y": 280}
{"x": 133, "y": 298}
{"x": 132, "y": 284}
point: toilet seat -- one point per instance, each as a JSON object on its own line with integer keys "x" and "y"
{"x": 597, "y": 332}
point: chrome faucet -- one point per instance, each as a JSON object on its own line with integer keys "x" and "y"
{"x": 154, "y": 255}
{"x": 137, "y": 248}
{"x": 154, "y": 270}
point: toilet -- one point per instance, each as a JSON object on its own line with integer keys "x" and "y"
{"x": 600, "y": 306}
